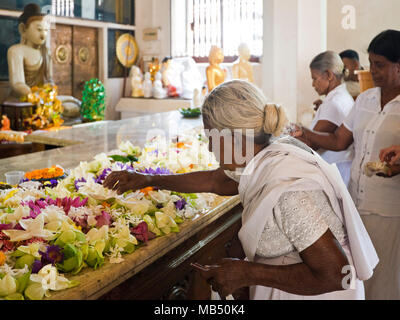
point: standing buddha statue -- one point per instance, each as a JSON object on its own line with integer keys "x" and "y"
{"x": 215, "y": 74}
{"x": 242, "y": 68}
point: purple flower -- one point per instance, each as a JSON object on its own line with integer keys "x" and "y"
{"x": 100, "y": 179}
{"x": 154, "y": 152}
{"x": 180, "y": 204}
{"x": 125, "y": 166}
{"x": 78, "y": 181}
{"x": 50, "y": 184}
{"x": 158, "y": 171}
{"x": 23, "y": 180}
{"x": 52, "y": 255}
{"x": 36, "y": 266}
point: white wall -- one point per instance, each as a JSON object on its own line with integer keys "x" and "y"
{"x": 371, "y": 17}
{"x": 294, "y": 32}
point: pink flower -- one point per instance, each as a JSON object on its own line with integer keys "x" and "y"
{"x": 142, "y": 233}
{"x": 103, "y": 220}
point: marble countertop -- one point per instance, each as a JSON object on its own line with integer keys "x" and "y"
{"x": 82, "y": 143}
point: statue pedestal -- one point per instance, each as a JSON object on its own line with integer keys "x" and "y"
{"x": 16, "y": 112}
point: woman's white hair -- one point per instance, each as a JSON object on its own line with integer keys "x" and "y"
{"x": 329, "y": 60}
{"x": 239, "y": 105}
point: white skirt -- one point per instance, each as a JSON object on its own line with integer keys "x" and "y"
{"x": 385, "y": 235}
{"x": 356, "y": 292}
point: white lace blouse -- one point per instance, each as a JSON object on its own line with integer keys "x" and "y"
{"x": 300, "y": 219}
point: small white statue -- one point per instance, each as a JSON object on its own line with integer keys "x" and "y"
{"x": 191, "y": 79}
{"x": 136, "y": 82}
{"x": 199, "y": 97}
{"x": 147, "y": 86}
{"x": 158, "y": 91}
{"x": 242, "y": 68}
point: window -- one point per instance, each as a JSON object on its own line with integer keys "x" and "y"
{"x": 196, "y": 25}
{"x": 119, "y": 11}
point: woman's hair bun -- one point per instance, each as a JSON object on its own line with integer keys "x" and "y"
{"x": 274, "y": 119}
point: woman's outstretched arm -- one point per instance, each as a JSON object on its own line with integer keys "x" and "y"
{"x": 213, "y": 181}
{"x": 340, "y": 140}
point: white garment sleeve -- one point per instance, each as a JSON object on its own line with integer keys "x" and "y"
{"x": 330, "y": 111}
{"x": 349, "y": 121}
{"x": 302, "y": 221}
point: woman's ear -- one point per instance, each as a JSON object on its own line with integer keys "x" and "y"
{"x": 330, "y": 75}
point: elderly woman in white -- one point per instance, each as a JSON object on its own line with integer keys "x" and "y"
{"x": 327, "y": 73}
{"x": 374, "y": 124}
{"x": 301, "y": 232}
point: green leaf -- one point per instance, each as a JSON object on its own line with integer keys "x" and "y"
{"x": 129, "y": 248}
{"x": 68, "y": 265}
{"x": 69, "y": 251}
{"x": 120, "y": 158}
{"x": 80, "y": 236}
{"x": 22, "y": 282}
{"x": 67, "y": 236}
{"x": 34, "y": 291}
{"x": 25, "y": 260}
{"x": 15, "y": 296}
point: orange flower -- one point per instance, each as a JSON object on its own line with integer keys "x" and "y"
{"x": 2, "y": 258}
{"x": 47, "y": 173}
{"x": 146, "y": 191}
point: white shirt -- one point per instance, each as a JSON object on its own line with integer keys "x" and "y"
{"x": 335, "y": 108}
{"x": 373, "y": 130}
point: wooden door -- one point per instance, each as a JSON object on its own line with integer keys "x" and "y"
{"x": 85, "y": 64}
{"x": 61, "y": 52}
{"x": 75, "y": 58}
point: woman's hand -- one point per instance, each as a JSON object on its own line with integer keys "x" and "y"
{"x": 390, "y": 155}
{"x": 226, "y": 276}
{"x": 296, "y": 131}
{"x": 122, "y": 181}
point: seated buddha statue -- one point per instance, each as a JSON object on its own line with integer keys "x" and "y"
{"x": 29, "y": 61}
{"x": 242, "y": 68}
{"x": 215, "y": 74}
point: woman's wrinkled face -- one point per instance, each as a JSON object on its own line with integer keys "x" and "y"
{"x": 37, "y": 31}
{"x": 320, "y": 81}
{"x": 386, "y": 74}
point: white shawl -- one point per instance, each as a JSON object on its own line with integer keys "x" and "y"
{"x": 282, "y": 167}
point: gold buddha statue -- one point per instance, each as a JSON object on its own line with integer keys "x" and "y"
{"x": 215, "y": 74}
{"x": 29, "y": 61}
{"x": 242, "y": 68}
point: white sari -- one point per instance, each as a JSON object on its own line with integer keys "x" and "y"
{"x": 283, "y": 167}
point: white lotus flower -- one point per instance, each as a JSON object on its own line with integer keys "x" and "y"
{"x": 33, "y": 249}
{"x": 97, "y": 191}
{"x": 95, "y": 234}
{"x": 128, "y": 148}
{"x": 18, "y": 214}
{"x": 50, "y": 279}
{"x": 32, "y": 228}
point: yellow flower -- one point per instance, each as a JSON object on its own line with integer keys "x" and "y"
{"x": 10, "y": 195}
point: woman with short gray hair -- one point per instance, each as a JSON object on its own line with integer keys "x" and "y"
{"x": 327, "y": 73}
{"x": 302, "y": 236}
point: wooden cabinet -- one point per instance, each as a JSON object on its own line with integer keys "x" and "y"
{"x": 74, "y": 51}
{"x": 172, "y": 278}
